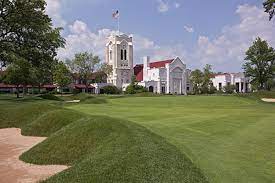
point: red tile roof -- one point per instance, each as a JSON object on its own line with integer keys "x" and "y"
{"x": 3, "y": 85}
{"x": 79, "y": 86}
{"x": 138, "y": 69}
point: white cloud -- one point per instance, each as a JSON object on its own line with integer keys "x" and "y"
{"x": 189, "y": 29}
{"x": 81, "y": 39}
{"x": 177, "y": 5}
{"x": 226, "y": 52}
{"x": 78, "y": 27}
{"x": 162, "y": 6}
{"x": 53, "y": 9}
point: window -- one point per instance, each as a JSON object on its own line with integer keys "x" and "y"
{"x": 125, "y": 54}
{"x": 220, "y": 86}
{"x": 111, "y": 55}
{"x": 163, "y": 89}
{"x": 121, "y": 54}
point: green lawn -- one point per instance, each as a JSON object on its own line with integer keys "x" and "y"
{"x": 232, "y": 139}
{"x": 98, "y": 148}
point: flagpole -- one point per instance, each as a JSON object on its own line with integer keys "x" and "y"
{"x": 118, "y": 24}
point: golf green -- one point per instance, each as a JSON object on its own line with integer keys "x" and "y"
{"x": 232, "y": 139}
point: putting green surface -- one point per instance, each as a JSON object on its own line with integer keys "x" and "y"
{"x": 232, "y": 139}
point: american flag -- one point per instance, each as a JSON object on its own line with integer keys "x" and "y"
{"x": 116, "y": 14}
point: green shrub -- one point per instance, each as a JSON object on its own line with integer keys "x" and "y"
{"x": 110, "y": 90}
{"x": 229, "y": 89}
{"x": 133, "y": 89}
{"x": 212, "y": 89}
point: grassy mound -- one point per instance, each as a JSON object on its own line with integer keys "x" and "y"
{"x": 50, "y": 122}
{"x": 101, "y": 149}
{"x": 50, "y": 97}
{"x": 258, "y": 95}
{"x": 86, "y": 98}
{"x": 20, "y": 113}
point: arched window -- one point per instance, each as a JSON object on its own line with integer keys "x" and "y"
{"x": 111, "y": 55}
{"x": 121, "y": 54}
{"x": 125, "y": 54}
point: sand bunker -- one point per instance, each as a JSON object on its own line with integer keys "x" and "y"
{"x": 268, "y": 99}
{"x": 73, "y": 101}
{"x": 12, "y": 145}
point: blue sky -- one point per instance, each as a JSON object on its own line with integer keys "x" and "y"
{"x": 216, "y": 32}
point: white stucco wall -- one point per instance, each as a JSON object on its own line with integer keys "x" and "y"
{"x": 232, "y": 79}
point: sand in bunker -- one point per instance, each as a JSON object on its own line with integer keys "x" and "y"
{"x": 272, "y": 100}
{"x": 12, "y": 145}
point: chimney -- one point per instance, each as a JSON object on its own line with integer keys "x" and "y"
{"x": 146, "y": 67}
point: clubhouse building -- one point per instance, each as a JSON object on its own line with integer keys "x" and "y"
{"x": 167, "y": 76}
{"x": 241, "y": 83}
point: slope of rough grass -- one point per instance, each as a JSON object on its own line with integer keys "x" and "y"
{"x": 258, "y": 95}
{"x": 50, "y": 122}
{"x": 50, "y": 97}
{"x": 230, "y": 138}
{"x": 86, "y": 98}
{"x": 104, "y": 149}
{"x": 98, "y": 148}
{"x": 18, "y": 113}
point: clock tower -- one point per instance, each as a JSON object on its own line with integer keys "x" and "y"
{"x": 119, "y": 54}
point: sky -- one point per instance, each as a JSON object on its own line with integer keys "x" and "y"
{"x": 215, "y": 32}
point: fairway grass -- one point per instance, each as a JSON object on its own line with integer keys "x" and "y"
{"x": 230, "y": 138}
{"x": 98, "y": 148}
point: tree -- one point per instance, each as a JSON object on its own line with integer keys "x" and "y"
{"x": 99, "y": 77}
{"x": 229, "y": 89}
{"x": 197, "y": 80}
{"x": 134, "y": 88}
{"x": 18, "y": 73}
{"x": 62, "y": 75}
{"x": 260, "y": 63}
{"x": 110, "y": 90}
{"x": 106, "y": 68}
{"x": 103, "y": 72}
{"x": 26, "y": 32}
{"x": 207, "y": 83}
{"x": 85, "y": 64}
{"x": 269, "y": 6}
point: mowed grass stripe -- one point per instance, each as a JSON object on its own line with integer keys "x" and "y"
{"x": 239, "y": 130}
